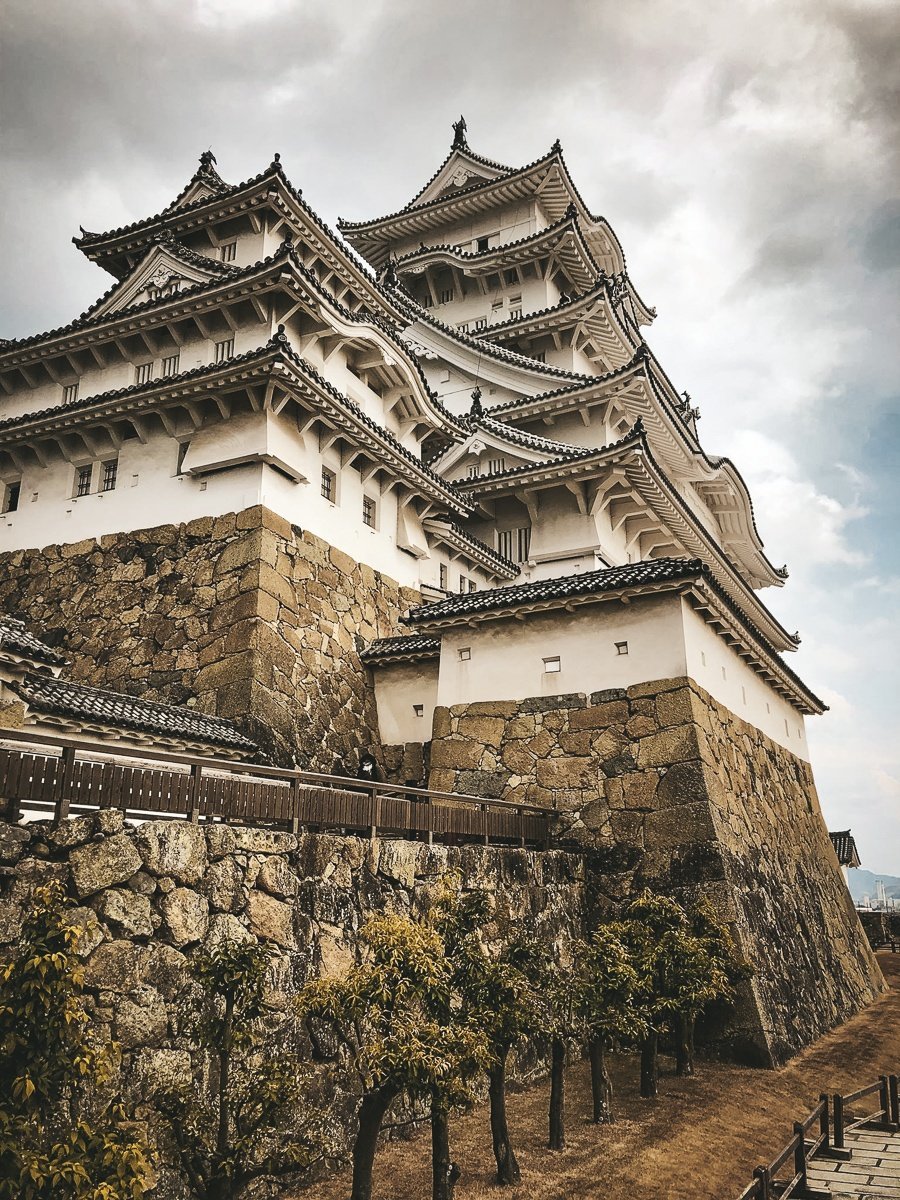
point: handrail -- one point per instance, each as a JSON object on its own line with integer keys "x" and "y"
{"x": 765, "y": 1186}
{"x": 46, "y": 772}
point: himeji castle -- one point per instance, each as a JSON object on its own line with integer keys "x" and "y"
{"x": 420, "y": 487}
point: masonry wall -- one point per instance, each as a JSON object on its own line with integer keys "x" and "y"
{"x": 150, "y": 897}
{"x": 244, "y": 615}
{"x": 679, "y": 794}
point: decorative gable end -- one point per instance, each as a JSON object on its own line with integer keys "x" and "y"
{"x": 165, "y": 270}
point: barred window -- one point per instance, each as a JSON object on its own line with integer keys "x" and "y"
{"x": 446, "y": 295}
{"x": 463, "y": 584}
{"x": 70, "y": 393}
{"x": 227, "y": 251}
{"x": 443, "y": 576}
{"x": 224, "y": 349}
{"x": 514, "y": 544}
{"x": 170, "y": 365}
{"x": 110, "y": 471}
{"x": 329, "y": 480}
{"x": 143, "y": 373}
{"x": 369, "y": 511}
{"x": 83, "y": 480}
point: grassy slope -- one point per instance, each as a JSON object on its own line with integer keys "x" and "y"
{"x": 699, "y": 1141}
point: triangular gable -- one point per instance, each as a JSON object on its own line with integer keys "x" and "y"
{"x": 164, "y": 270}
{"x": 206, "y": 181}
{"x": 460, "y": 169}
{"x": 486, "y": 450}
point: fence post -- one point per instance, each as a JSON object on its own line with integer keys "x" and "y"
{"x": 838, "y": 1110}
{"x": 376, "y": 814}
{"x": 66, "y": 779}
{"x": 800, "y": 1156}
{"x": 824, "y": 1127}
{"x": 894, "y": 1089}
{"x": 196, "y": 780}
{"x": 765, "y": 1191}
{"x": 295, "y": 805}
{"x": 884, "y": 1099}
{"x": 484, "y": 837}
{"x": 429, "y": 835}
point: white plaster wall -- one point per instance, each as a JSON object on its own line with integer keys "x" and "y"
{"x": 507, "y": 656}
{"x": 398, "y": 687}
{"x": 716, "y": 667}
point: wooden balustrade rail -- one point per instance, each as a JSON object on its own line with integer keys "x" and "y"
{"x": 60, "y": 775}
{"x": 799, "y": 1151}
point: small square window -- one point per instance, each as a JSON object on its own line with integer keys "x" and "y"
{"x": 419, "y": 710}
{"x": 515, "y": 314}
{"x": 511, "y": 278}
{"x": 369, "y": 511}
{"x": 83, "y": 481}
{"x": 443, "y": 576}
{"x": 11, "y": 496}
{"x": 474, "y": 470}
{"x": 224, "y": 349}
{"x": 427, "y": 301}
{"x": 481, "y": 244}
{"x": 70, "y": 393}
{"x": 464, "y": 653}
{"x": 463, "y": 584}
{"x": 446, "y": 295}
{"x": 108, "y": 478}
{"x": 552, "y": 665}
{"x": 621, "y": 647}
{"x": 496, "y": 465}
{"x": 170, "y": 365}
{"x": 329, "y": 480}
{"x": 227, "y": 251}
{"x": 473, "y": 586}
{"x": 143, "y": 373}
{"x": 479, "y": 323}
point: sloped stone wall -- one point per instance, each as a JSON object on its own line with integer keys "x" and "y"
{"x": 150, "y": 897}
{"x": 244, "y": 615}
{"x": 678, "y": 794}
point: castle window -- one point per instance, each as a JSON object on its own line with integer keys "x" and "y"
{"x": 446, "y": 295}
{"x": 227, "y": 252}
{"x": 496, "y": 465}
{"x": 481, "y": 244}
{"x": 463, "y": 584}
{"x": 552, "y": 666}
{"x": 464, "y": 653}
{"x": 473, "y": 586}
{"x": 480, "y": 323}
{"x": 443, "y": 576}
{"x": 419, "y": 710}
{"x": 11, "y": 496}
{"x": 540, "y": 356}
{"x": 427, "y": 302}
{"x": 224, "y": 349}
{"x": 329, "y": 481}
{"x": 170, "y": 365}
{"x": 110, "y": 471}
{"x": 474, "y": 471}
{"x": 621, "y": 647}
{"x": 369, "y": 511}
{"x": 143, "y": 373}
{"x": 496, "y": 308}
{"x": 511, "y": 277}
{"x": 83, "y": 480}
{"x": 70, "y": 393}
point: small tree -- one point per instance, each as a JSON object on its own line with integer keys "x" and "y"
{"x": 236, "y": 1137}
{"x": 390, "y": 1014}
{"x": 499, "y": 997}
{"x": 562, "y": 1022}
{"x": 606, "y": 1003}
{"x": 59, "y": 1139}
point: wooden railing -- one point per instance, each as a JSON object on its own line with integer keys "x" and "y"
{"x": 60, "y": 776}
{"x": 827, "y": 1143}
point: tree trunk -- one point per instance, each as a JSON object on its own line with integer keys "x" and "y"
{"x": 601, "y": 1084}
{"x": 507, "y": 1167}
{"x": 684, "y": 1044}
{"x": 557, "y": 1139}
{"x": 650, "y": 1066}
{"x": 444, "y": 1172}
{"x": 371, "y": 1113}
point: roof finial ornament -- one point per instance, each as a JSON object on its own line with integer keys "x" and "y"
{"x": 476, "y": 411}
{"x": 783, "y": 572}
{"x": 207, "y": 159}
{"x": 390, "y": 271}
{"x": 571, "y": 210}
{"x": 459, "y": 135}
{"x": 287, "y": 240}
{"x": 275, "y": 164}
{"x": 556, "y": 148}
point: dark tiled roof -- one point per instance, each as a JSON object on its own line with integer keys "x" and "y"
{"x": 417, "y": 645}
{"x": 530, "y": 441}
{"x": 477, "y": 158}
{"x": 570, "y": 310}
{"x": 607, "y": 579}
{"x": 56, "y": 697}
{"x": 507, "y": 566}
{"x": 845, "y": 848}
{"x": 15, "y": 637}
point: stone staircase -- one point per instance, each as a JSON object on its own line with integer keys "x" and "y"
{"x": 871, "y": 1173}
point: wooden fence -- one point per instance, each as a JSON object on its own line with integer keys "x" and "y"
{"x": 60, "y": 776}
{"x": 830, "y": 1121}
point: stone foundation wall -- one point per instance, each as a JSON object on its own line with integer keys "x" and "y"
{"x": 245, "y": 615}
{"x": 679, "y": 794}
{"x": 152, "y": 896}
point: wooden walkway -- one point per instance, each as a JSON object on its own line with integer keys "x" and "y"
{"x": 873, "y": 1169}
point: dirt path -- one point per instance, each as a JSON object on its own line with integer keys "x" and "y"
{"x": 699, "y": 1141}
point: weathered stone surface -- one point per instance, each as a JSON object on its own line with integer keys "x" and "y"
{"x": 13, "y": 840}
{"x": 276, "y": 877}
{"x": 173, "y": 848}
{"x": 90, "y": 932}
{"x": 186, "y": 914}
{"x": 225, "y": 928}
{"x": 223, "y": 885}
{"x": 271, "y": 919}
{"x": 126, "y": 911}
{"x": 163, "y": 1070}
{"x": 100, "y": 864}
{"x": 227, "y": 839}
{"x": 141, "y": 1019}
{"x": 11, "y": 918}
{"x": 115, "y": 966}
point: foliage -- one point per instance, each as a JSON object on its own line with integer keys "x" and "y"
{"x": 59, "y": 1140}
{"x": 606, "y": 987}
{"x": 229, "y": 1140}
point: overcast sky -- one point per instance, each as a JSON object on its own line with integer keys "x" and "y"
{"x": 746, "y": 153}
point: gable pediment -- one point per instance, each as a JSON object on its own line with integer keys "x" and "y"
{"x": 460, "y": 170}
{"x": 162, "y": 271}
{"x": 482, "y": 454}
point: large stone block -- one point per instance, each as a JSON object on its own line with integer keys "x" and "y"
{"x": 186, "y": 916}
{"x": 102, "y": 864}
{"x": 175, "y": 848}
